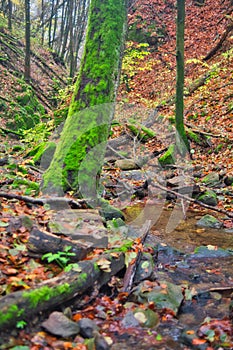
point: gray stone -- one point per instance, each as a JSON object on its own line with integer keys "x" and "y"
{"x": 87, "y": 327}
{"x": 228, "y": 180}
{"x": 79, "y": 224}
{"x": 206, "y": 252}
{"x": 129, "y": 320}
{"x": 126, "y": 164}
{"x": 59, "y": 324}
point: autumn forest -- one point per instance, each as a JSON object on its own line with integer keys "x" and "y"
{"x": 116, "y": 174}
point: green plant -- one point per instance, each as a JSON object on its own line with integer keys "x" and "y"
{"x": 21, "y": 324}
{"x": 61, "y": 258}
{"x": 38, "y": 133}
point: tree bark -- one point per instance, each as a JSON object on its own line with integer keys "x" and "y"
{"x": 79, "y": 155}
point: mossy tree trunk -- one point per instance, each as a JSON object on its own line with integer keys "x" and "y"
{"x": 78, "y": 157}
{"x": 182, "y": 141}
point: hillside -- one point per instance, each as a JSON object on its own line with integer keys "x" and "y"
{"x": 21, "y": 106}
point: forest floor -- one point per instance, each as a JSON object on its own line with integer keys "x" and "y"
{"x": 203, "y": 320}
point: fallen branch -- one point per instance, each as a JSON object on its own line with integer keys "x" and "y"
{"x": 42, "y": 201}
{"x": 192, "y": 200}
{"x": 215, "y": 49}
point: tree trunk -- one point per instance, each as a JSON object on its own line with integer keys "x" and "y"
{"x": 78, "y": 157}
{"x": 27, "y": 41}
{"x": 182, "y": 141}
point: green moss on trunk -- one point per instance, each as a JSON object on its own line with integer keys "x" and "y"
{"x": 79, "y": 155}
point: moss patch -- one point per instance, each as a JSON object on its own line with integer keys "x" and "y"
{"x": 45, "y": 293}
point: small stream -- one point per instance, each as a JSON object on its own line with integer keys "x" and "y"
{"x": 180, "y": 233}
{"x": 207, "y": 275}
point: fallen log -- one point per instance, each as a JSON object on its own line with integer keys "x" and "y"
{"x": 58, "y": 201}
{"x": 40, "y": 243}
{"x": 27, "y": 304}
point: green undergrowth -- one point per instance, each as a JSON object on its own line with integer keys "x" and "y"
{"x": 24, "y": 111}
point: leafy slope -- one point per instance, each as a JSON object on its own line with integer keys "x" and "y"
{"x": 208, "y": 108}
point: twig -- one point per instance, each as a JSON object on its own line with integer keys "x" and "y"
{"x": 193, "y": 200}
{"x": 114, "y": 151}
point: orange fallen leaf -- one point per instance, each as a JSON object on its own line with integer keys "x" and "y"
{"x": 197, "y": 341}
{"x": 77, "y": 317}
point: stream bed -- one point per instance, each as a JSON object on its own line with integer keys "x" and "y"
{"x": 200, "y": 260}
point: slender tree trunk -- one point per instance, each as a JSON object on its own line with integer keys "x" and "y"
{"x": 27, "y": 42}
{"x": 10, "y": 15}
{"x": 78, "y": 157}
{"x": 50, "y": 25}
{"x": 55, "y": 24}
{"x": 42, "y": 22}
{"x": 71, "y": 44}
{"x": 182, "y": 141}
{"x": 61, "y": 34}
{"x": 65, "y": 33}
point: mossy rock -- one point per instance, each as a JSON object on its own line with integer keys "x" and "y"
{"x": 209, "y": 221}
{"x": 109, "y": 212}
{"x": 212, "y": 179}
{"x": 168, "y": 158}
{"x": 208, "y": 197}
{"x": 146, "y": 318}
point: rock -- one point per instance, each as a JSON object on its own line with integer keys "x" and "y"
{"x": 209, "y": 221}
{"x": 211, "y": 180}
{"x": 100, "y": 342}
{"x": 79, "y": 224}
{"x": 87, "y": 327}
{"x": 129, "y": 320}
{"x": 137, "y": 175}
{"x": 165, "y": 295}
{"x": 59, "y": 324}
{"x": 145, "y": 268}
{"x": 127, "y": 164}
{"x": 109, "y": 212}
{"x": 210, "y": 252}
{"x": 208, "y": 197}
{"x": 228, "y": 180}
{"x": 146, "y": 318}
{"x": 168, "y": 157}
